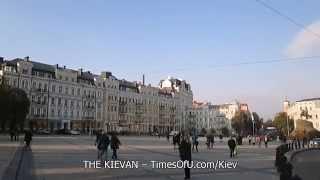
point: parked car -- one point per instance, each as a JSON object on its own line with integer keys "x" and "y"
{"x": 315, "y": 142}
{"x": 74, "y": 132}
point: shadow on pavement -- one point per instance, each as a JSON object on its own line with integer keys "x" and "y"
{"x": 21, "y": 167}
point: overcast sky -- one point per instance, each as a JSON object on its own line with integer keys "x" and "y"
{"x": 186, "y": 39}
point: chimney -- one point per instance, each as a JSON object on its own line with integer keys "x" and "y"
{"x": 57, "y": 66}
{"x": 143, "y": 79}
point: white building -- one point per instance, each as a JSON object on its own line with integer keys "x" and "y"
{"x": 306, "y": 109}
{"x": 209, "y": 116}
{"x": 63, "y": 98}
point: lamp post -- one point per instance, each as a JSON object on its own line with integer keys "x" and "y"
{"x": 253, "y": 125}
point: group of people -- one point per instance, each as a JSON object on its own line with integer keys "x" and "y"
{"x": 259, "y": 140}
{"x": 103, "y": 142}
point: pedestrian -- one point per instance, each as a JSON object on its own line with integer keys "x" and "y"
{"x": 115, "y": 143}
{"x": 16, "y": 135}
{"x": 211, "y": 141}
{"x": 221, "y": 138}
{"x": 103, "y": 146}
{"x": 97, "y": 141}
{"x": 304, "y": 141}
{"x": 168, "y": 136}
{"x": 178, "y": 139}
{"x": 174, "y": 141}
{"x": 232, "y": 146}
{"x": 11, "y": 135}
{"x": 266, "y": 141}
{"x": 195, "y": 142}
{"x": 28, "y": 138}
{"x": 185, "y": 153}
{"x": 259, "y": 140}
{"x": 249, "y": 137}
{"x": 208, "y": 141}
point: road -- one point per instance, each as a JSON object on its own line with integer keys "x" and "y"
{"x": 61, "y": 158}
{"x": 306, "y": 165}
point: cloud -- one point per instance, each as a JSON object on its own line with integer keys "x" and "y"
{"x": 305, "y": 43}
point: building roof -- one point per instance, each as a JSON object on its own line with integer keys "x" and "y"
{"x": 310, "y": 99}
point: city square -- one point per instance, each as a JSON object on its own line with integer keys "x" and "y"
{"x": 61, "y": 157}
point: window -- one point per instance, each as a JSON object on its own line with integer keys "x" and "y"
{"x": 53, "y": 88}
{"x": 60, "y": 89}
{"x": 52, "y": 101}
{"x": 59, "y": 101}
{"x": 45, "y": 87}
{"x": 78, "y": 92}
{"x": 39, "y": 86}
{"x": 52, "y": 112}
{"x": 66, "y": 102}
{"x": 67, "y": 89}
{"x": 72, "y": 91}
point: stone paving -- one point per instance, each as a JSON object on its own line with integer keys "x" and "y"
{"x": 58, "y": 157}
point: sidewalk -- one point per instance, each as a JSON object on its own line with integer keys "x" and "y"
{"x": 7, "y": 152}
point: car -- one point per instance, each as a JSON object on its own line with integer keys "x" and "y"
{"x": 173, "y": 133}
{"x": 315, "y": 143}
{"x": 74, "y": 132}
{"x": 43, "y": 131}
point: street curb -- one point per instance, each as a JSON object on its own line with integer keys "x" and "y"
{"x": 301, "y": 151}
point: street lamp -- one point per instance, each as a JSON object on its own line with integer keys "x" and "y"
{"x": 253, "y": 128}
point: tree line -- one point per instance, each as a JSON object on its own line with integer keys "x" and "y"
{"x": 14, "y": 107}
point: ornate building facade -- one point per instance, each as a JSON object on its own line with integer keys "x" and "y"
{"x": 63, "y": 98}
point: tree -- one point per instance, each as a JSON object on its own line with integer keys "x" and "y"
{"x": 4, "y": 108}
{"x": 242, "y": 123}
{"x": 258, "y": 122}
{"x": 225, "y": 132}
{"x": 280, "y": 121}
{"x": 14, "y": 107}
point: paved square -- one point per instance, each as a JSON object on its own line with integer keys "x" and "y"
{"x": 61, "y": 157}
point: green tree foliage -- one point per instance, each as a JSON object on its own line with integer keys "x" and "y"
{"x": 280, "y": 121}
{"x": 242, "y": 123}
{"x": 14, "y": 107}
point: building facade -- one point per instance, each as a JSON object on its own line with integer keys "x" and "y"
{"x": 306, "y": 109}
{"x": 205, "y": 115}
{"x": 63, "y": 98}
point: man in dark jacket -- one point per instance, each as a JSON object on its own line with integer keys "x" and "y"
{"x": 185, "y": 153}
{"x": 115, "y": 143}
{"x": 28, "y": 138}
{"x": 232, "y": 146}
{"x": 103, "y": 146}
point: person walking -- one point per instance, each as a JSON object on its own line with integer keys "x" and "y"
{"x": 174, "y": 141}
{"x": 232, "y": 146}
{"x": 97, "y": 141}
{"x": 211, "y": 141}
{"x": 250, "y": 139}
{"x": 266, "y": 141}
{"x": 103, "y": 146}
{"x": 195, "y": 142}
{"x": 115, "y": 143}
{"x": 185, "y": 154}
{"x": 208, "y": 141}
{"x": 28, "y": 138}
{"x": 11, "y": 135}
